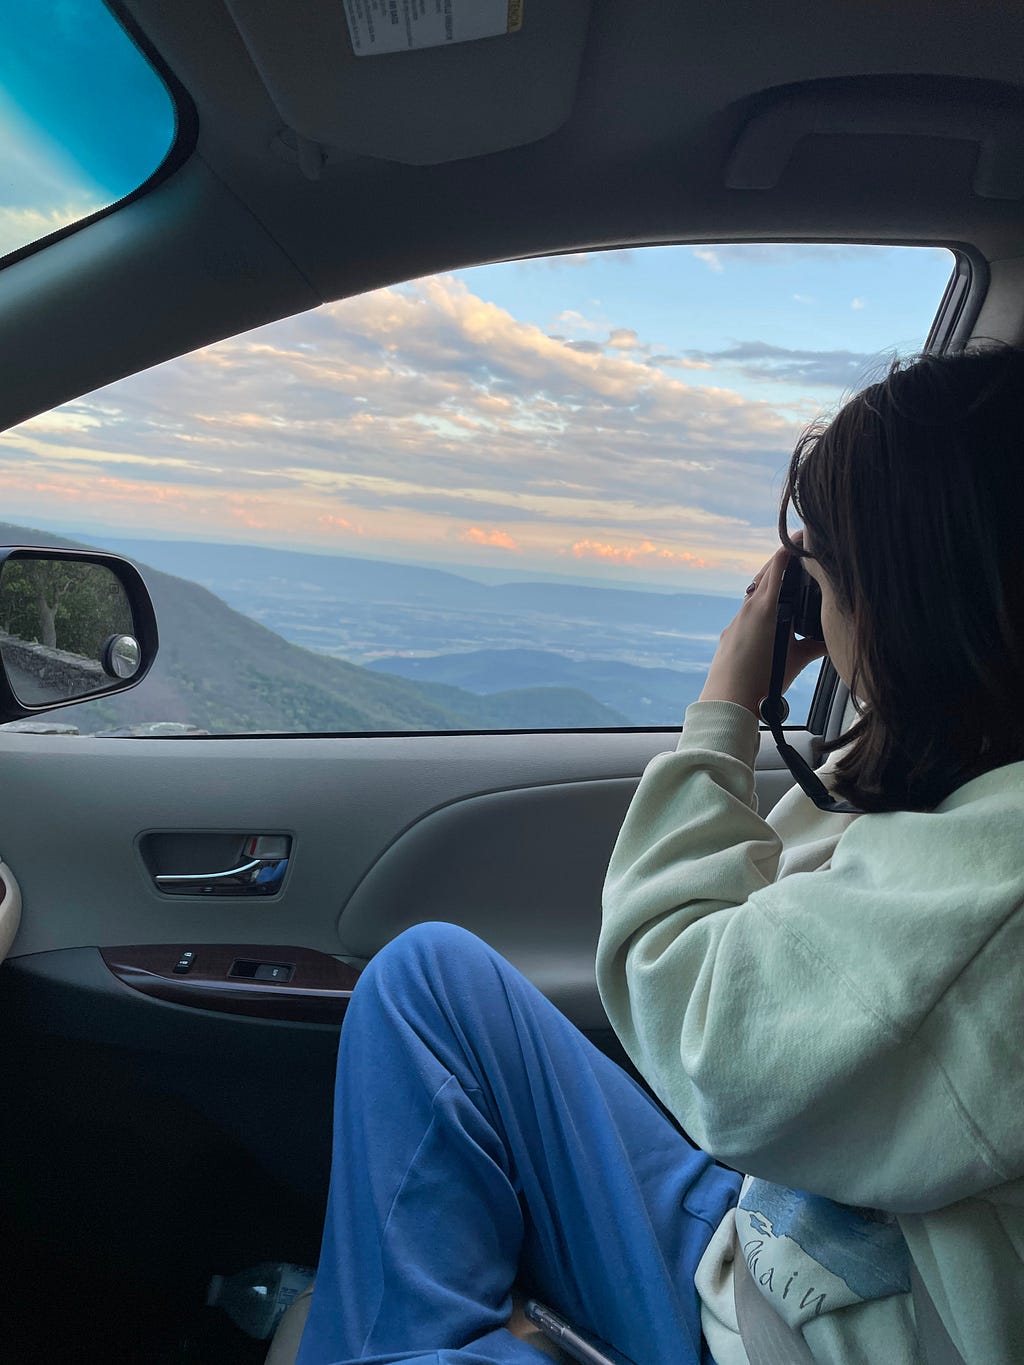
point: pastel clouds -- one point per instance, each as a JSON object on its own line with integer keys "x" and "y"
{"x": 501, "y": 540}
{"x": 431, "y": 423}
{"x": 629, "y": 554}
{"x": 623, "y": 339}
{"x": 21, "y": 224}
{"x": 339, "y": 524}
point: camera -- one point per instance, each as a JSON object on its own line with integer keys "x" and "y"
{"x": 806, "y": 601}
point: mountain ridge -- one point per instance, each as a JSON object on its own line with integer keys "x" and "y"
{"x": 644, "y": 694}
{"x": 354, "y": 579}
{"x": 219, "y": 670}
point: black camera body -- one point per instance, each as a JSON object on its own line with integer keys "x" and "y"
{"x": 806, "y": 601}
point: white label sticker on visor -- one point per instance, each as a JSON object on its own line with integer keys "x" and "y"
{"x": 380, "y": 26}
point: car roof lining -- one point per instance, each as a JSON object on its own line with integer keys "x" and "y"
{"x": 238, "y": 235}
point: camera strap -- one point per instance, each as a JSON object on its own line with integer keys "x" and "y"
{"x": 774, "y": 708}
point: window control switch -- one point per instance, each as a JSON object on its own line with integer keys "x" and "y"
{"x": 184, "y": 963}
{"x": 274, "y": 971}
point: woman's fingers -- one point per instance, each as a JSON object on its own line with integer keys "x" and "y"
{"x": 770, "y": 574}
{"x": 741, "y": 668}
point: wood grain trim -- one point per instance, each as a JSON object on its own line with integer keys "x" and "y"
{"x": 318, "y": 992}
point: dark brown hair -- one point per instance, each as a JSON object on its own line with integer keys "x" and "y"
{"x": 913, "y": 500}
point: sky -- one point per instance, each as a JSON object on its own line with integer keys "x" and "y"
{"x": 621, "y": 416}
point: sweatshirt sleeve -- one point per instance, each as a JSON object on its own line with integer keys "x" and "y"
{"x": 731, "y": 994}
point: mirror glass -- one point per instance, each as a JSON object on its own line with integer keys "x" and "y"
{"x": 66, "y": 630}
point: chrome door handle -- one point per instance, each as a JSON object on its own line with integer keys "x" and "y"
{"x": 254, "y": 877}
{"x": 171, "y": 878}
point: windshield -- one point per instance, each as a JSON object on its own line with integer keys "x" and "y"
{"x": 84, "y": 118}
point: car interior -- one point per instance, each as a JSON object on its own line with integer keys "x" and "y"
{"x": 195, "y": 911}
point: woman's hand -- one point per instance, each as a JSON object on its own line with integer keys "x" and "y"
{"x": 742, "y": 666}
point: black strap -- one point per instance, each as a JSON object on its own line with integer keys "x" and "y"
{"x": 774, "y": 708}
{"x": 807, "y": 779}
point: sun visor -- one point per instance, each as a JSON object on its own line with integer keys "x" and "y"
{"x": 416, "y": 81}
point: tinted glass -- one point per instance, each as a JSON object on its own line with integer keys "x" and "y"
{"x": 84, "y": 119}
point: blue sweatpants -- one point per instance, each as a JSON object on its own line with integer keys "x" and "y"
{"x": 479, "y": 1139}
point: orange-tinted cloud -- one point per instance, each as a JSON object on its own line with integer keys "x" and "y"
{"x": 646, "y": 552}
{"x": 67, "y": 490}
{"x": 501, "y": 540}
{"x": 340, "y": 524}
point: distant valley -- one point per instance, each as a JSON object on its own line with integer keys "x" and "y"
{"x": 270, "y": 640}
{"x": 642, "y": 654}
{"x": 644, "y": 696}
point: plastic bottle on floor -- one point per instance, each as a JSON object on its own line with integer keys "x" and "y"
{"x": 256, "y": 1299}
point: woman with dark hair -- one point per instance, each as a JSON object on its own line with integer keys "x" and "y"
{"x": 829, "y": 1004}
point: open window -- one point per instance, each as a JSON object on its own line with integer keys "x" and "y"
{"x": 517, "y": 497}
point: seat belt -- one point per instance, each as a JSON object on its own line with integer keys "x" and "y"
{"x": 935, "y": 1341}
{"x": 769, "y": 1340}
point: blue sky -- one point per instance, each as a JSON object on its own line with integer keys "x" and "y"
{"x": 864, "y": 300}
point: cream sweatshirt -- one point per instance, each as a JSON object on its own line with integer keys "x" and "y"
{"x": 834, "y": 1005}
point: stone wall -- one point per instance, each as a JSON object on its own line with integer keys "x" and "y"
{"x": 55, "y": 670}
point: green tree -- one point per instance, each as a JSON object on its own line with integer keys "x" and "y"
{"x": 65, "y": 604}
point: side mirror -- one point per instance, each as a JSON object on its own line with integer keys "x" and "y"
{"x": 74, "y": 625}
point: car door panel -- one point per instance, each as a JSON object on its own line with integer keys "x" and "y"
{"x": 360, "y": 812}
{"x": 508, "y": 834}
{"x": 263, "y": 1086}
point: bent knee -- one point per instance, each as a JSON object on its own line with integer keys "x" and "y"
{"x": 428, "y": 952}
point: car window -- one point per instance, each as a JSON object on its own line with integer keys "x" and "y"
{"x": 521, "y": 496}
{"x": 85, "y": 118}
